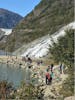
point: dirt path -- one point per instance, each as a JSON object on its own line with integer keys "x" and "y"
{"x": 52, "y": 91}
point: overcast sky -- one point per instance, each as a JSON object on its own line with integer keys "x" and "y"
{"x": 22, "y": 7}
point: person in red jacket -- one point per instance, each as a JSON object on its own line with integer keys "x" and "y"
{"x": 47, "y": 77}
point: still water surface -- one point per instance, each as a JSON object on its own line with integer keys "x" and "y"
{"x": 12, "y": 74}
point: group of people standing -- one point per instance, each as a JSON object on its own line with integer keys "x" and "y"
{"x": 50, "y": 74}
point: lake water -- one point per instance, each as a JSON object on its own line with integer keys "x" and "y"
{"x": 12, "y": 74}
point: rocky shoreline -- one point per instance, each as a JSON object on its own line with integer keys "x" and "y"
{"x": 14, "y": 60}
{"x": 50, "y": 91}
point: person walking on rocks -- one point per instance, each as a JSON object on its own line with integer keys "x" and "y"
{"x": 48, "y": 68}
{"x": 52, "y": 67}
{"x": 61, "y": 68}
{"x": 51, "y": 76}
{"x": 47, "y": 75}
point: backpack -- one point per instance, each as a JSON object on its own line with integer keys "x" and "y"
{"x": 48, "y": 75}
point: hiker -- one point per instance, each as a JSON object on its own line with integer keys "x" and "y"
{"x": 23, "y": 59}
{"x": 61, "y": 68}
{"x": 29, "y": 60}
{"x": 47, "y": 75}
{"x": 48, "y": 68}
{"x": 41, "y": 62}
{"x": 52, "y": 67}
{"x": 51, "y": 76}
{"x": 38, "y": 63}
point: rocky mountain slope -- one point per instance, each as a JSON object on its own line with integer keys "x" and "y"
{"x": 3, "y": 34}
{"x": 8, "y": 19}
{"x": 47, "y": 17}
{"x": 40, "y": 47}
{"x": 6, "y": 31}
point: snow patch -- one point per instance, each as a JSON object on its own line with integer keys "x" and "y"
{"x": 7, "y": 31}
{"x": 42, "y": 48}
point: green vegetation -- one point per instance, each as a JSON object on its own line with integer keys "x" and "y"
{"x": 29, "y": 92}
{"x": 25, "y": 92}
{"x": 46, "y": 18}
{"x": 63, "y": 51}
{"x": 5, "y": 90}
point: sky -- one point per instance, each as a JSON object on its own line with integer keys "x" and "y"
{"x": 22, "y": 7}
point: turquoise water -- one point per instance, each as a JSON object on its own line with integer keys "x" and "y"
{"x": 12, "y": 74}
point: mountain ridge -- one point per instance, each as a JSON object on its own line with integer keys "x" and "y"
{"x": 9, "y": 19}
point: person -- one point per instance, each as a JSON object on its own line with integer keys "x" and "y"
{"x": 48, "y": 68}
{"x": 47, "y": 77}
{"x": 61, "y": 68}
{"x": 52, "y": 67}
{"x": 41, "y": 62}
{"x": 38, "y": 63}
{"x": 51, "y": 76}
{"x": 23, "y": 59}
{"x": 29, "y": 60}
